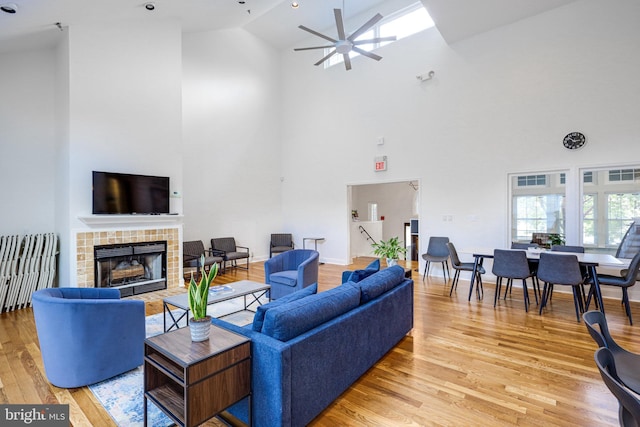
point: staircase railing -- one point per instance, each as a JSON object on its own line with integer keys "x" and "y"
{"x": 363, "y": 231}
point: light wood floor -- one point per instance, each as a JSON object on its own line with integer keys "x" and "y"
{"x": 463, "y": 364}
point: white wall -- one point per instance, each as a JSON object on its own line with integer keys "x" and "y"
{"x": 125, "y": 104}
{"x": 27, "y": 128}
{"x": 232, "y": 130}
{"x": 499, "y": 102}
{"x": 62, "y": 158}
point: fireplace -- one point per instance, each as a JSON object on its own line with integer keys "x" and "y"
{"x": 133, "y": 268}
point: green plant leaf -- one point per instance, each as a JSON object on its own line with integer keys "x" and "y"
{"x": 389, "y": 249}
{"x": 199, "y": 293}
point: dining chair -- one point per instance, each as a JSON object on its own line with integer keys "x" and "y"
{"x": 533, "y": 266}
{"x": 561, "y": 269}
{"x": 629, "y": 412}
{"x": 519, "y": 245}
{"x": 583, "y": 269}
{"x": 510, "y": 265}
{"x": 437, "y": 251}
{"x": 627, "y": 363}
{"x": 622, "y": 282}
{"x": 459, "y": 266}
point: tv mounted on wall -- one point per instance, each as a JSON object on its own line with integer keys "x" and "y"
{"x": 119, "y": 193}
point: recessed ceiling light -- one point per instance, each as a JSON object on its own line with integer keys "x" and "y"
{"x": 9, "y": 8}
{"x": 295, "y": 5}
{"x": 241, "y": 2}
{"x": 150, "y": 6}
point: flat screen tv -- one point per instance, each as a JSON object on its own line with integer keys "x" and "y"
{"x": 120, "y": 193}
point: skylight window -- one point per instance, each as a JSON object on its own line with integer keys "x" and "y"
{"x": 403, "y": 23}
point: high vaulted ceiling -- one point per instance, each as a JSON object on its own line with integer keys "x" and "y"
{"x": 275, "y": 21}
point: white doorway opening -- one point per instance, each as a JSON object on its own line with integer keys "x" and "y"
{"x": 395, "y": 205}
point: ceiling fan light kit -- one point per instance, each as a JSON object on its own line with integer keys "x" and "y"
{"x": 344, "y": 45}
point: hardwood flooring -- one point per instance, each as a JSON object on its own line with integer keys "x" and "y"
{"x": 463, "y": 364}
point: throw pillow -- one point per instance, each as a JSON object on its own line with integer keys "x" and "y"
{"x": 375, "y": 265}
{"x": 258, "y": 319}
{"x": 370, "y": 269}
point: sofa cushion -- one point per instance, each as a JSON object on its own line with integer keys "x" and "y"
{"x": 379, "y": 283}
{"x": 258, "y": 319}
{"x": 288, "y": 321}
{"x": 286, "y": 278}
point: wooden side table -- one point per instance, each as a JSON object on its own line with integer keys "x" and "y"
{"x": 194, "y": 381}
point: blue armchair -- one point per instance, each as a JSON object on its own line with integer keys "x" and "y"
{"x": 291, "y": 271}
{"x": 87, "y": 335}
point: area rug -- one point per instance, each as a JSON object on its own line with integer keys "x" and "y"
{"x": 122, "y": 396}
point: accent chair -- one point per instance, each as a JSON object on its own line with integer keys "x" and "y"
{"x": 226, "y": 248}
{"x": 192, "y": 252}
{"x": 88, "y": 335}
{"x": 280, "y": 242}
{"x": 291, "y": 271}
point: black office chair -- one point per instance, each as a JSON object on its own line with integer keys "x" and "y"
{"x": 459, "y": 266}
{"x": 558, "y": 269}
{"x": 627, "y": 363}
{"x": 629, "y": 412}
{"x": 511, "y": 265}
{"x": 622, "y": 282}
{"x": 437, "y": 251}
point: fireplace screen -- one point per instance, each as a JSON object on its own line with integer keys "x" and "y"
{"x": 133, "y": 268}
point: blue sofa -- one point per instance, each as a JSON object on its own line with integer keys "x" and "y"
{"x": 87, "y": 335}
{"x": 311, "y": 347}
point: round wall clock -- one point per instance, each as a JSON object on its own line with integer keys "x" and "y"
{"x": 574, "y": 140}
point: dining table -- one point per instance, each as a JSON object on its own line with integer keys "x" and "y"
{"x": 588, "y": 260}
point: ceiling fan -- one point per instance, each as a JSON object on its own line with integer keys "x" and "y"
{"x": 344, "y": 45}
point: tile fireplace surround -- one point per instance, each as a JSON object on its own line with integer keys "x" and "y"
{"x": 85, "y": 242}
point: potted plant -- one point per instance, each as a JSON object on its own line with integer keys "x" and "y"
{"x": 391, "y": 250}
{"x": 200, "y": 323}
{"x": 556, "y": 239}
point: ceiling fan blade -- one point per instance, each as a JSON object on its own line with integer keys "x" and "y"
{"x": 376, "y": 40}
{"x": 367, "y": 54}
{"x": 326, "y": 57}
{"x": 370, "y": 23}
{"x": 339, "y": 23}
{"x": 347, "y": 61}
{"x": 315, "y": 33}
{"x": 314, "y": 47}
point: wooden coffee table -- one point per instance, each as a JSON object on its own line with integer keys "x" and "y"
{"x": 249, "y": 290}
{"x": 192, "y": 382}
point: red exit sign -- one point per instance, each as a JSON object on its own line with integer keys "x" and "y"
{"x": 380, "y": 163}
